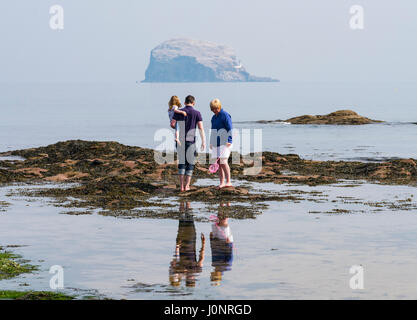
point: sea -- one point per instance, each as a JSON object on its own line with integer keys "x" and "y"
{"x": 314, "y": 248}
{"x": 35, "y": 115}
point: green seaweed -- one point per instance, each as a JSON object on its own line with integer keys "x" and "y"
{"x": 33, "y": 295}
{"x": 12, "y": 265}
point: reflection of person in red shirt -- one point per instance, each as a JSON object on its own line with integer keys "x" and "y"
{"x": 185, "y": 263}
{"x": 221, "y": 243}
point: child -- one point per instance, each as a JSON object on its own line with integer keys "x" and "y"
{"x": 174, "y": 107}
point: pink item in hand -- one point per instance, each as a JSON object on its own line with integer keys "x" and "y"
{"x": 214, "y": 218}
{"x": 214, "y": 167}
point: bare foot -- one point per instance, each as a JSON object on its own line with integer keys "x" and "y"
{"x": 229, "y": 185}
{"x": 221, "y": 186}
{"x": 187, "y": 189}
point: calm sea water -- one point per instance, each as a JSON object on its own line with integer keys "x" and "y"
{"x": 287, "y": 252}
{"x": 36, "y": 115}
{"x": 290, "y": 251}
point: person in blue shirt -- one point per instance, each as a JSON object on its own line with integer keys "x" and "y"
{"x": 221, "y": 141}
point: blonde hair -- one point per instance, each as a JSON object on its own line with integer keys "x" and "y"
{"x": 215, "y": 104}
{"x": 174, "y": 101}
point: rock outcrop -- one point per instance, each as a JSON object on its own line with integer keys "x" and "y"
{"x": 186, "y": 60}
{"x": 341, "y": 117}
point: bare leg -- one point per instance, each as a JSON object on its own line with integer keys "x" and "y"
{"x": 221, "y": 176}
{"x": 226, "y": 170}
{"x": 187, "y": 183}
{"x": 182, "y": 182}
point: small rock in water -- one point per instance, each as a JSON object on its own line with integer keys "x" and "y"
{"x": 341, "y": 117}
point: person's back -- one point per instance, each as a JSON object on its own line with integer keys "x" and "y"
{"x": 187, "y": 150}
{"x": 190, "y": 123}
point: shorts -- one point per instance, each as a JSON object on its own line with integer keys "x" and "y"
{"x": 222, "y": 152}
{"x": 186, "y": 158}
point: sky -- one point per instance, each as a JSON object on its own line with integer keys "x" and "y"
{"x": 292, "y": 40}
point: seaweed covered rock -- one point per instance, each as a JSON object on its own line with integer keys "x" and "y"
{"x": 113, "y": 164}
{"x": 341, "y": 117}
{"x": 12, "y": 265}
{"x": 113, "y": 176}
{"x": 213, "y": 193}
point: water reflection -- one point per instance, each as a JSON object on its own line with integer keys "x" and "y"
{"x": 221, "y": 243}
{"x": 185, "y": 265}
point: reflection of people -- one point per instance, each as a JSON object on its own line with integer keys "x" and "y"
{"x": 221, "y": 243}
{"x": 221, "y": 141}
{"x": 185, "y": 263}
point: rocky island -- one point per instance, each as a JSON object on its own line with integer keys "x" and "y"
{"x": 186, "y": 60}
{"x": 341, "y": 117}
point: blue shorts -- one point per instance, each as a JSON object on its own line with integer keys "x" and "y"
{"x": 186, "y": 158}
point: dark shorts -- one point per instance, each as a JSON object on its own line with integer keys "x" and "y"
{"x": 186, "y": 158}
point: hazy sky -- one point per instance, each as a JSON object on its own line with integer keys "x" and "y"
{"x": 292, "y": 40}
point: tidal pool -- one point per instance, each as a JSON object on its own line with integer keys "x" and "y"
{"x": 293, "y": 250}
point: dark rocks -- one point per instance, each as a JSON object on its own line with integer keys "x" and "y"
{"x": 113, "y": 176}
{"x": 214, "y": 193}
{"x": 341, "y": 117}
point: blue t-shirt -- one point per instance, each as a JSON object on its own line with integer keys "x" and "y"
{"x": 190, "y": 122}
{"x": 222, "y": 120}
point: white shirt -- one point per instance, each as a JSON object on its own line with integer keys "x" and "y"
{"x": 221, "y": 232}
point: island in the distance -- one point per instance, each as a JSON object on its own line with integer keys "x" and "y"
{"x": 186, "y": 60}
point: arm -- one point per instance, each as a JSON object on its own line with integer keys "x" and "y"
{"x": 211, "y": 141}
{"x": 177, "y": 250}
{"x": 229, "y": 127}
{"x": 176, "y": 110}
{"x": 201, "y": 256}
{"x": 202, "y": 134}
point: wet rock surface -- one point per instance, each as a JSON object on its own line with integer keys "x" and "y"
{"x": 3, "y": 205}
{"x": 12, "y": 265}
{"x": 112, "y": 176}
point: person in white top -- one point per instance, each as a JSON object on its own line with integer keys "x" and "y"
{"x": 221, "y": 243}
